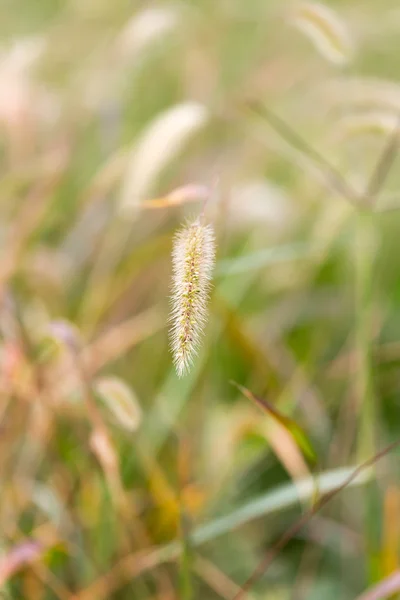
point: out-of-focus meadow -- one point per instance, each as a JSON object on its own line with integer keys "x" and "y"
{"x": 117, "y": 120}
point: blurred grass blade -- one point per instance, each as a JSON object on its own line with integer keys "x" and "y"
{"x": 325, "y": 30}
{"x": 186, "y": 577}
{"x": 278, "y": 499}
{"x": 107, "y": 176}
{"x": 391, "y": 530}
{"x": 331, "y": 174}
{"x": 384, "y": 589}
{"x": 263, "y": 258}
{"x": 115, "y": 341}
{"x": 384, "y": 164}
{"x": 289, "y": 424}
{"x": 120, "y": 401}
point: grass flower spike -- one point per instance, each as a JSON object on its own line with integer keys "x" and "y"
{"x": 193, "y": 260}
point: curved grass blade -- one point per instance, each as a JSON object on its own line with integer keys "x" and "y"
{"x": 289, "y": 424}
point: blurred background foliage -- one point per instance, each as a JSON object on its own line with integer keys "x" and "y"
{"x": 117, "y": 119}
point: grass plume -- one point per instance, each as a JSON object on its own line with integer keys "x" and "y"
{"x": 193, "y": 260}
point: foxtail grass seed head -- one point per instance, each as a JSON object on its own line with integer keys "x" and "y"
{"x": 192, "y": 260}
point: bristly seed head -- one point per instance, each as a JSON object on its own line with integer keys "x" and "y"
{"x": 192, "y": 260}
